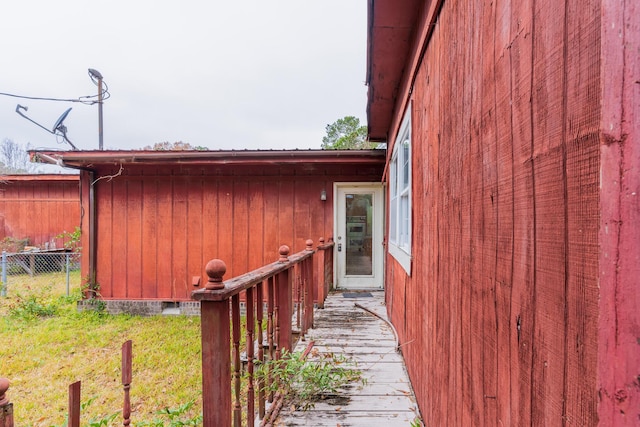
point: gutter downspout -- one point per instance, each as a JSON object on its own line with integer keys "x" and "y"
{"x": 92, "y": 229}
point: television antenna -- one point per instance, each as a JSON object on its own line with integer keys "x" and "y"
{"x": 59, "y": 129}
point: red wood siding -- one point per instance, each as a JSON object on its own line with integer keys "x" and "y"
{"x": 39, "y": 207}
{"x": 499, "y": 317}
{"x": 158, "y": 227}
{"x": 619, "y": 329}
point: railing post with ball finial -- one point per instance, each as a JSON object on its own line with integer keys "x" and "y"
{"x": 284, "y": 302}
{"x": 216, "y": 350}
{"x": 6, "y": 407}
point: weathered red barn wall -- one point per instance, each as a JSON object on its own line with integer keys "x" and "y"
{"x": 39, "y": 207}
{"x": 157, "y": 227}
{"x": 499, "y": 318}
{"x": 619, "y": 329}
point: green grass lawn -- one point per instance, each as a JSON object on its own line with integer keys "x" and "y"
{"x": 42, "y": 355}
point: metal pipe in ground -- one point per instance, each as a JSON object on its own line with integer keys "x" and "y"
{"x": 3, "y": 286}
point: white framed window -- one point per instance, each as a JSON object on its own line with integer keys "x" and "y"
{"x": 400, "y": 195}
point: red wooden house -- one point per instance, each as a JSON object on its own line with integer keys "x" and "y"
{"x": 39, "y": 207}
{"x": 154, "y": 218}
{"x": 513, "y": 173}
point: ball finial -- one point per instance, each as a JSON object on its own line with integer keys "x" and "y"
{"x": 215, "y": 270}
{"x": 309, "y": 244}
{"x": 284, "y": 253}
{"x": 4, "y": 386}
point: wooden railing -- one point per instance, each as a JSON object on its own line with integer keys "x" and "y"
{"x": 275, "y": 296}
{"x": 269, "y": 294}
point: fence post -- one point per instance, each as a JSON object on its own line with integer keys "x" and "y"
{"x": 216, "y": 352}
{"x": 284, "y": 286}
{"x": 3, "y": 287}
{"x": 74, "y": 404}
{"x": 6, "y": 407}
{"x": 67, "y": 262}
{"x": 126, "y": 382}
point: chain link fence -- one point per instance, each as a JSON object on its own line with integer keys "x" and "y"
{"x": 30, "y": 268}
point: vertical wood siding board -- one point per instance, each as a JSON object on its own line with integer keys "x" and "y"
{"x": 256, "y": 224}
{"x": 582, "y": 166}
{"x": 226, "y": 226}
{"x": 240, "y": 235}
{"x": 318, "y": 213}
{"x": 505, "y": 219}
{"x": 165, "y": 237}
{"x": 271, "y": 239}
{"x": 420, "y": 232}
{"x": 475, "y": 402}
{"x": 134, "y": 238}
{"x": 582, "y": 297}
{"x": 286, "y": 215}
{"x": 106, "y": 236}
{"x": 548, "y": 117}
{"x": 149, "y": 238}
{"x": 524, "y": 231}
{"x": 180, "y": 238}
{"x": 488, "y": 136}
{"x": 522, "y": 296}
{"x": 609, "y": 239}
{"x": 465, "y": 399}
{"x": 209, "y": 221}
{"x": 302, "y": 199}
{"x": 629, "y": 245}
{"x": 195, "y": 227}
{"x": 550, "y": 345}
{"x": 440, "y": 279}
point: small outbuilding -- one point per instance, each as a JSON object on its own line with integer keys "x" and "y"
{"x": 154, "y": 218}
{"x": 36, "y": 209}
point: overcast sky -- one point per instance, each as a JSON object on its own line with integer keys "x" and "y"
{"x": 250, "y": 74}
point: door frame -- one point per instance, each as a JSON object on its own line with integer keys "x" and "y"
{"x": 376, "y": 280}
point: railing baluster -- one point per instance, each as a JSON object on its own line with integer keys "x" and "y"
{"x": 298, "y": 299}
{"x": 259, "y": 332}
{"x": 235, "y": 314}
{"x": 276, "y": 319}
{"x": 250, "y": 356}
{"x": 270, "y": 327}
{"x": 302, "y": 325}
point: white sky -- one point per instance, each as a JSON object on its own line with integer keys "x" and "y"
{"x": 251, "y": 74}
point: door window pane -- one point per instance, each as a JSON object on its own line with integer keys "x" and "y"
{"x": 359, "y": 222}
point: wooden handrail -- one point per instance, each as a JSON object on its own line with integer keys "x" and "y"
{"x": 283, "y": 286}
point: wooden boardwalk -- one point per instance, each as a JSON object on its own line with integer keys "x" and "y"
{"x": 345, "y": 327}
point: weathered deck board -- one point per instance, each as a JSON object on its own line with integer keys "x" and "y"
{"x": 369, "y": 343}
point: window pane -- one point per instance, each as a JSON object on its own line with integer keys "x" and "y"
{"x": 405, "y": 164}
{"x": 404, "y": 222}
{"x": 359, "y": 234}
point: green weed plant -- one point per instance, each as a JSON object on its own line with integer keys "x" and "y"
{"x": 304, "y": 381}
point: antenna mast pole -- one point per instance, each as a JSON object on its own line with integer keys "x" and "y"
{"x": 95, "y": 74}
{"x": 100, "y": 132}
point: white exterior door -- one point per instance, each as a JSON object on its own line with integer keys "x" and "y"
{"x": 359, "y": 230}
